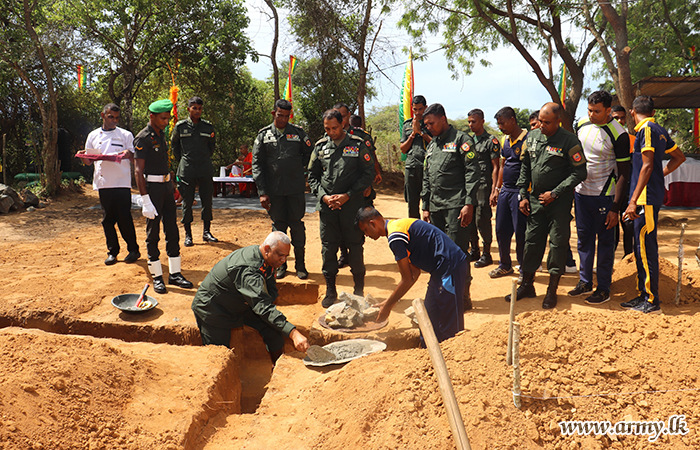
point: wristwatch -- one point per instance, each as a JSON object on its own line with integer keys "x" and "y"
{"x": 553, "y": 195}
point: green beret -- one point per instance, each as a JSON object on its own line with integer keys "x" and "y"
{"x": 160, "y": 106}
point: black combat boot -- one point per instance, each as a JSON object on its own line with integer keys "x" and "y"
{"x": 550, "y": 299}
{"x": 331, "y": 293}
{"x": 467, "y": 297}
{"x": 188, "y": 234}
{"x": 526, "y": 288}
{"x": 359, "y": 280}
{"x": 299, "y": 265}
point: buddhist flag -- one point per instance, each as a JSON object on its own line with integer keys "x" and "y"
{"x": 288, "y": 87}
{"x": 562, "y": 86}
{"x": 405, "y": 111}
{"x": 81, "y": 77}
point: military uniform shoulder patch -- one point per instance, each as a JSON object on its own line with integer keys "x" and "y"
{"x": 470, "y": 155}
{"x": 367, "y": 157}
{"x": 465, "y": 147}
{"x": 212, "y": 134}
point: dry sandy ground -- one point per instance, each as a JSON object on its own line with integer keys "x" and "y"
{"x": 102, "y": 392}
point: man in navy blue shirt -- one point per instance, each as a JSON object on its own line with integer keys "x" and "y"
{"x": 417, "y": 245}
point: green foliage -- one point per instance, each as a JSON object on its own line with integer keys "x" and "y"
{"x": 383, "y": 125}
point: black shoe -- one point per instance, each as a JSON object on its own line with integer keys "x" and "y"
{"x": 359, "y": 282}
{"x": 484, "y": 261}
{"x": 526, "y": 289}
{"x": 550, "y": 298}
{"x": 178, "y": 280}
{"x": 302, "y": 273}
{"x": 208, "y": 237}
{"x": 331, "y": 293}
{"x": 467, "y": 299}
{"x": 580, "y": 289}
{"x": 132, "y": 257}
{"x": 159, "y": 285}
{"x": 599, "y": 297}
{"x": 281, "y": 271}
{"x": 342, "y": 261}
{"x": 111, "y": 259}
{"x": 188, "y": 240}
{"x": 632, "y": 303}
{"x": 647, "y": 307}
{"x": 474, "y": 255}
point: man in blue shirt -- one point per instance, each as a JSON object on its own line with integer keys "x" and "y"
{"x": 646, "y": 197}
{"x": 418, "y": 245}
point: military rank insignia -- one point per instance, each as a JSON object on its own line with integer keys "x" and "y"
{"x": 293, "y": 138}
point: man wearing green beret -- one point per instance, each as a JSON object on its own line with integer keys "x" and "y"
{"x": 156, "y": 189}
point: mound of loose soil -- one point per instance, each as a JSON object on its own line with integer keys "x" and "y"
{"x": 611, "y": 366}
{"x": 65, "y": 392}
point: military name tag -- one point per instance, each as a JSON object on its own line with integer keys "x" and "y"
{"x": 293, "y": 138}
{"x": 351, "y": 151}
{"x": 450, "y": 147}
{"x": 204, "y": 134}
{"x": 185, "y": 134}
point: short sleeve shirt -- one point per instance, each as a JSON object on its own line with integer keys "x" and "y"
{"x": 651, "y": 137}
{"x": 152, "y": 148}
{"x": 426, "y": 246}
{"x": 604, "y": 146}
{"x": 111, "y": 174}
{"x": 512, "y": 156}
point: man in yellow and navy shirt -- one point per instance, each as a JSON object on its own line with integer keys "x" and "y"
{"x": 418, "y": 245}
{"x": 646, "y": 197}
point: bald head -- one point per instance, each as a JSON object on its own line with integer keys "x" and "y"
{"x": 550, "y": 116}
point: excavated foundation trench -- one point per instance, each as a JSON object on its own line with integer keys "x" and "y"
{"x": 243, "y": 380}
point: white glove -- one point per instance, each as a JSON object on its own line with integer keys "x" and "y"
{"x": 148, "y": 210}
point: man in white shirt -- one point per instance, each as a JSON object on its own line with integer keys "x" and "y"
{"x": 112, "y": 179}
{"x": 598, "y": 199}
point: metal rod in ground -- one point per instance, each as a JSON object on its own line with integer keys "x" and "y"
{"x": 681, "y": 253}
{"x": 516, "y": 365}
{"x": 454, "y": 416}
{"x": 513, "y": 298}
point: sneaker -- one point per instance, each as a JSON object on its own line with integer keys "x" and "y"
{"x": 580, "y": 289}
{"x": 499, "y": 272}
{"x": 632, "y": 303}
{"x": 599, "y": 297}
{"x": 571, "y": 269}
{"x": 647, "y": 308}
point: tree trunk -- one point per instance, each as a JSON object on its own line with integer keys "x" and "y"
{"x": 273, "y": 51}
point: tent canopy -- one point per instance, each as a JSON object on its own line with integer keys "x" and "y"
{"x": 670, "y": 92}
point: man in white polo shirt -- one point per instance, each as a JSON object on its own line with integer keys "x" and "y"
{"x": 112, "y": 180}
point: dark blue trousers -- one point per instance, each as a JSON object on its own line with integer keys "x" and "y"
{"x": 646, "y": 253}
{"x": 509, "y": 220}
{"x": 444, "y": 301}
{"x": 591, "y": 212}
